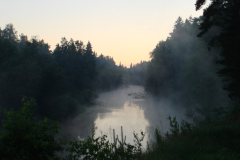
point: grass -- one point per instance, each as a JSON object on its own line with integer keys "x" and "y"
{"x": 217, "y": 141}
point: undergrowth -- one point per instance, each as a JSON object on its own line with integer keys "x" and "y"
{"x": 216, "y": 141}
{"x": 25, "y": 138}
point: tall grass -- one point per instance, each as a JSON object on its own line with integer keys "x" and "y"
{"x": 216, "y": 141}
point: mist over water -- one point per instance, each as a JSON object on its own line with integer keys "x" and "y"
{"x": 130, "y": 116}
{"x": 116, "y": 108}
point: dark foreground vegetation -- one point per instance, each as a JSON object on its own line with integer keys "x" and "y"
{"x": 216, "y": 141}
{"x": 24, "y": 137}
{"x": 182, "y": 69}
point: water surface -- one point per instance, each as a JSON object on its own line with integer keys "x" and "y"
{"x": 116, "y": 108}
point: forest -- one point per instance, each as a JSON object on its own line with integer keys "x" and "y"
{"x": 197, "y": 67}
{"x": 61, "y": 82}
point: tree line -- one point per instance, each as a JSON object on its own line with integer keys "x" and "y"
{"x": 183, "y": 68}
{"x": 61, "y": 81}
{"x": 197, "y": 66}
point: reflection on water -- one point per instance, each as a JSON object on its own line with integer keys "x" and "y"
{"x": 130, "y": 116}
{"x": 116, "y": 108}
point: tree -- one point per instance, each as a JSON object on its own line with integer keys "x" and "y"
{"x": 200, "y": 3}
{"x": 23, "y": 40}
{"x": 109, "y": 75}
{"x": 224, "y": 15}
{"x": 89, "y": 61}
{"x": 184, "y": 71}
{"x": 8, "y": 58}
{"x": 88, "y": 51}
{"x": 24, "y": 138}
{"x": 80, "y": 66}
{"x": 10, "y": 33}
{"x": 7, "y": 51}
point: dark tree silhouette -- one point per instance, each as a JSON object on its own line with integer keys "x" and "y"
{"x": 225, "y": 16}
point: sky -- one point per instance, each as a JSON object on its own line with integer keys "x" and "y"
{"x": 127, "y": 30}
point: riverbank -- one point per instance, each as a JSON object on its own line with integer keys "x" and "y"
{"x": 219, "y": 141}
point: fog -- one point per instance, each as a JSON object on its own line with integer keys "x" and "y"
{"x": 116, "y": 108}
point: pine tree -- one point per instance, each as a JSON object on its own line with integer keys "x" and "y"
{"x": 225, "y": 15}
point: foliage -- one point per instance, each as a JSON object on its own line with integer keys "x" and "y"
{"x": 213, "y": 141}
{"x": 92, "y": 148}
{"x": 109, "y": 75}
{"x": 60, "y": 81}
{"x": 78, "y": 62}
{"x": 200, "y": 117}
{"x": 184, "y": 71}
{"x": 100, "y": 148}
{"x": 136, "y": 74}
{"x": 25, "y": 138}
{"x": 176, "y": 129}
{"x": 224, "y": 15}
{"x": 138, "y": 143}
{"x": 32, "y": 72}
{"x": 9, "y": 33}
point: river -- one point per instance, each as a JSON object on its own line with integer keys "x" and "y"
{"x": 118, "y": 108}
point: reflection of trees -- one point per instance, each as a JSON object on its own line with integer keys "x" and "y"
{"x": 115, "y": 103}
{"x": 139, "y": 95}
{"x": 81, "y": 125}
{"x": 156, "y": 113}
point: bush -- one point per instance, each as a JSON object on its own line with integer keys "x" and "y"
{"x": 24, "y": 138}
{"x": 100, "y": 148}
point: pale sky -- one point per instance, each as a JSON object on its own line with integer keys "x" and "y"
{"x": 127, "y": 30}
